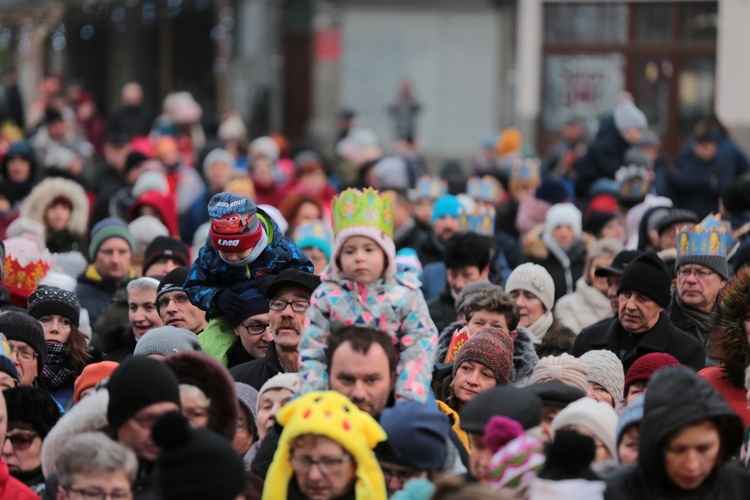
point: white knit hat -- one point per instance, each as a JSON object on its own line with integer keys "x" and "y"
{"x": 605, "y": 369}
{"x": 599, "y": 418}
{"x": 535, "y": 279}
{"x": 289, "y": 381}
{"x": 563, "y": 214}
{"x": 564, "y": 368}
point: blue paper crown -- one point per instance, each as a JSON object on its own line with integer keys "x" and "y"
{"x": 430, "y": 188}
{"x": 708, "y": 238}
{"x": 484, "y": 189}
{"x": 525, "y": 170}
{"x": 633, "y": 182}
{"x": 314, "y": 234}
{"x": 480, "y": 222}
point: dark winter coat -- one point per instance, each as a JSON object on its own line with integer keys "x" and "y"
{"x": 257, "y": 372}
{"x": 17, "y": 191}
{"x": 95, "y": 293}
{"x": 431, "y": 250}
{"x": 443, "y": 309}
{"x": 697, "y": 185}
{"x": 602, "y": 159}
{"x": 537, "y": 252}
{"x": 663, "y": 337}
{"x": 678, "y": 398}
{"x": 210, "y": 274}
{"x": 412, "y": 236}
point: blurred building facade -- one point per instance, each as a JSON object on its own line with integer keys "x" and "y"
{"x": 476, "y": 66}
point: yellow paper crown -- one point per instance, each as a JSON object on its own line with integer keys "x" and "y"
{"x": 332, "y": 415}
{"x": 355, "y": 208}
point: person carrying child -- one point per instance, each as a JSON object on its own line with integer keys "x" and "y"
{"x": 362, "y": 287}
{"x": 243, "y": 249}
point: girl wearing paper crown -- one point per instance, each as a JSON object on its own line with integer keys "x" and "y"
{"x": 362, "y": 287}
{"x": 244, "y": 246}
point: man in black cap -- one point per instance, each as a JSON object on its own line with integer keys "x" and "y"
{"x": 175, "y": 308}
{"x": 163, "y": 255}
{"x": 289, "y": 297}
{"x": 555, "y": 396}
{"x": 642, "y": 326}
{"x": 141, "y": 390}
{"x": 508, "y": 401}
{"x": 613, "y": 273}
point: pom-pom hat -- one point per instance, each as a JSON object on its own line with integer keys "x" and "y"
{"x": 332, "y": 415}
{"x": 234, "y": 222}
{"x": 364, "y": 213}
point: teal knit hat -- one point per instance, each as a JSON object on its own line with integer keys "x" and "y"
{"x": 111, "y": 227}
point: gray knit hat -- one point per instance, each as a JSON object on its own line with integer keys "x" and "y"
{"x": 535, "y": 279}
{"x": 167, "y": 340}
{"x": 599, "y": 418}
{"x": 605, "y": 369}
{"x": 247, "y": 396}
{"x": 628, "y": 116}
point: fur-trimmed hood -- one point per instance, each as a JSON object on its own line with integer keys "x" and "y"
{"x": 728, "y": 342}
{"x": 207, "y": 374}
{"x": 533, "y": 246}
{"x": 50, "y": 188}
{"x": 90, "y": 415}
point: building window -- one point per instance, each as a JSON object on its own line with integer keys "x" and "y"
{"x": 663, "y": 53}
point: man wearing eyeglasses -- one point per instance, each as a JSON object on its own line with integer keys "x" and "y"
{"x": 702, "y": 272}
{"x": 173, "y": 303}
{"x": 642, "y": 326}
{"x": 289, "y": 297}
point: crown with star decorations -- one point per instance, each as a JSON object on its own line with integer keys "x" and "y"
{"x": 707, "y": 238}
{"x": 368, "y": 208}
{"x": 430, "y": 188}
{"x": 525, "y": 170}
{"x": 480, "y": 221}
{"x": 485, "y": 188}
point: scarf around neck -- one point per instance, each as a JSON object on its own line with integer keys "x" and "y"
{"x": 538, "y": 329}
{"x": 704, "y": 320}
{"x": 58, "y": 372}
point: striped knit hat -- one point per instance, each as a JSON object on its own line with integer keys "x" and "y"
{"x": 491, "y": 347}
{"x": 516, "y": 463}
{"x": 111, "y": 227}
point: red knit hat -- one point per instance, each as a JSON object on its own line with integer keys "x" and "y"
{"x": 644, "y": 368}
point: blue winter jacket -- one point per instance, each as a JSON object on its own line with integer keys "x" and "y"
{"x": 210, "y": 274}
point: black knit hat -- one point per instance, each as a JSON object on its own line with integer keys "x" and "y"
{"x": 47, "y": 300}
{"x": 556, "y": 393}
{"x": 137, "y": 383}
{"x": 649, "y": 275}
{"x": 22, "y": 327}
{"x": 164, "y": 247}
{"x": 173, "y": 281}
{"x": 31, "y": 407}
{"x": 507, "y": 401}
{"x": 196, "y": 463}
{"x": 619, "y": 263}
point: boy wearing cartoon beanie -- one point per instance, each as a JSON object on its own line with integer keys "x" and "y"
{"x": 244, "y": 247}
{"x": 362, "y": 286}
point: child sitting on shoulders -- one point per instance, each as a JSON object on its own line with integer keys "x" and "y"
{"x": 244, "y": 248}
{"x": 362, "y": 287}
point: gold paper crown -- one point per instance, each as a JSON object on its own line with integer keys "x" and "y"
{"x": 355, "y": 208}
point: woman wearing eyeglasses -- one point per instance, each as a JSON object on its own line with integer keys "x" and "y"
{"x": 28, "y": 350}
{"x": 31, "y": 415}
{"x": 58, "y": 312}
{"x": 325, "y": 451}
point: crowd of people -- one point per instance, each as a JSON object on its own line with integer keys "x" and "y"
{"x": 188, "y": 313}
